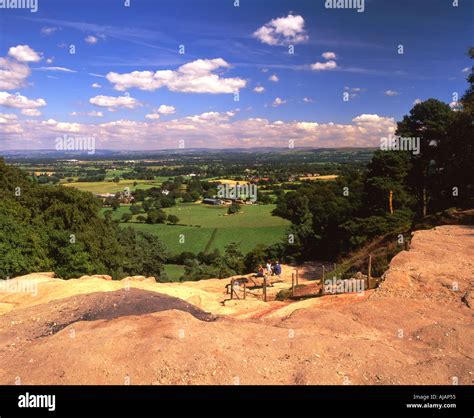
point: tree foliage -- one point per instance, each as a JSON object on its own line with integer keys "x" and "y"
{"x": 58, "y": 228}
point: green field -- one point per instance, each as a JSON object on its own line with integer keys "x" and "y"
{"x": 115, "y": 173}
{"x": 99, "y": 187}
{"x": 173, "y": 271}
{"x": 117, "y": 214}
{"x": 206, "y": 227}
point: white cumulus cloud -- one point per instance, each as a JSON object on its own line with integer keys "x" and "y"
{"x": 18, "y": 101}
{"x": 282, "y": 31}
{"x": 31, "y": 112}
{"x": 24, "y": 53}
{"x": 9, "y": 124}
{"x": 207, "y": 130}
{"x": 7, "y": 117}
{"x": 329, "y": 55}
{"x": 115, "y": 102}
{"x": 278, "y": 102}
{"x": 193, "y": 77}
{"x": 62, "y": 126}
{"x": 91, "y": 39}
{"x": 166, "y": 110}
{"x": 323, "y": 66}
{"x": 13, "y": 74}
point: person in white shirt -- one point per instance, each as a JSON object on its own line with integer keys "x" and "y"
{"x": 269, "y": 267}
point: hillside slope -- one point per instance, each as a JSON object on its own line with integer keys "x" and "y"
{"x": 417, "y": 328}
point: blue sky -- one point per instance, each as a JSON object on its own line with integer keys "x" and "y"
{"x": 304, "y": 102}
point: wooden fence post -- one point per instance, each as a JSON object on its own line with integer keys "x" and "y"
{"x": 264, "y": 288}
{"x": 292, "y": 284}
{"x": 232, "y": 288}
{"x": 297, "y": 277}
{"x": 369, "y": 272}
{"x": 323, "y": 279}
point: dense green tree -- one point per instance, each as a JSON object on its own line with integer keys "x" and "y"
{"x": 429, "y": 121}
{"x": 21, "y": 247}
{"x": 467, "y": 100}
{"x": 156, "y": 216}
{"x": 115, "y": 204}
{"x": 233, "y": 208}
{"x": 184, "y": 256}
{"x": 167, "y": 201}
{"x": 387, "y": 172}
{"x": 214, "y": 265}
{"x": 135, "y": 209}
{"x": 187, "y": 198}
{"x": 147, "y": 205}
{"x": 233, "y": 258}
{"x": 173, "y": 219}
{"x": 457, "y": 152}
{"x": 59, "y": 228}
{"x": 126, "y": 217}
{"x": 256, "y": 257}
{"x": 209, "y": 258}
{"x": 193, "y": 270}
{"x": 265, "y": 199}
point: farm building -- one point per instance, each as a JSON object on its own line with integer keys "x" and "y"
{"x": 122, "y": 197}
{"x": 209, "y": 201}
{"x": 105, "y": 196}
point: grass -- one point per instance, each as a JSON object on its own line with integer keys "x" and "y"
{"x": 211, "y": 240}
{"x": 173, "y": 272}
{"x": 229, "y": 181}
{"x": 99, "y": 187}
{"x": 162, "y": 179}
{"x": 251, "y": 216}
{"x": 321, "y": 178}
{"x": 178, "y": 238}
{"x": 107, "y": 186}
{"x": 117, "y": 214}
{"x": 64, "y": 180}
{"x": 205, "y": 228}
{"x": 116, "y": 173}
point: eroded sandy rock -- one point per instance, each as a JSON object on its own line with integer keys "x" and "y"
{"x": 96, "y": 276}
{"x": 413, "y": 331}
{"x": 468, "y": 299}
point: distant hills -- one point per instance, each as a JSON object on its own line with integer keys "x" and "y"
{"x": 363, "y": 153}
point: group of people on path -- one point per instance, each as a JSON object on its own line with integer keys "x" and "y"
{"x": 269, "y": 270}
